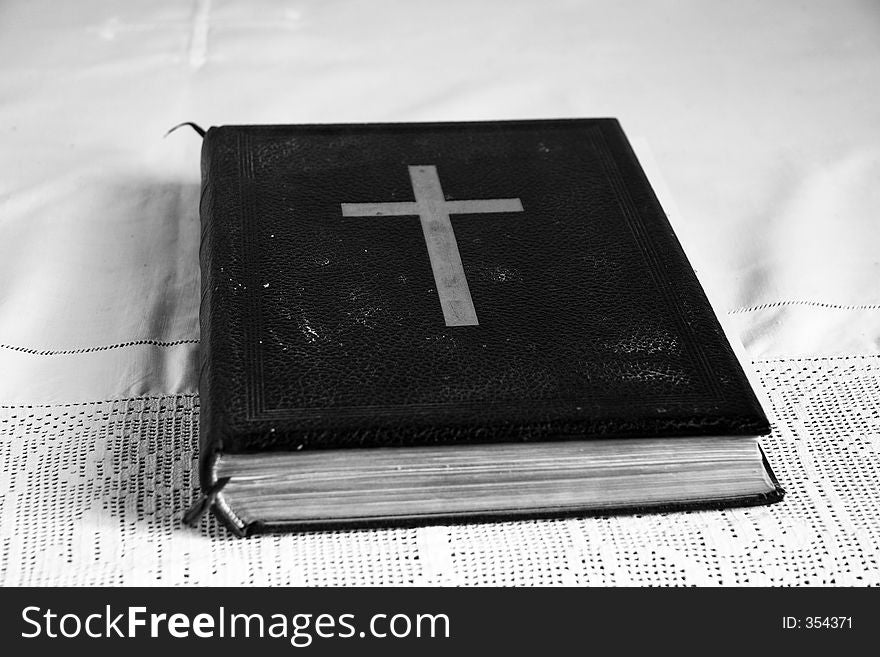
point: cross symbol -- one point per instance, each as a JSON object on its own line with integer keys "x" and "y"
{"x": 433, "y": 210}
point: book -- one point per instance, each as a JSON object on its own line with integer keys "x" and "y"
{"x": 440, "y": 322}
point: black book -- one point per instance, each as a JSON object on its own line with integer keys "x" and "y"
{"x": 420, "y": 323}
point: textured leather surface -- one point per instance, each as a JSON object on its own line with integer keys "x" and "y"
{"x": 321, "y": 331}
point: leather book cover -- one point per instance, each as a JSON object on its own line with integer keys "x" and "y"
{"x": 438, "y": 283}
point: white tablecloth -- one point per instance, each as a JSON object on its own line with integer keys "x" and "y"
{"x": 759, "y": 124}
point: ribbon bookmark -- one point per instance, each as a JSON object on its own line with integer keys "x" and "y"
{"x": 194, "y": 126}
{"x": 206, "y": 499}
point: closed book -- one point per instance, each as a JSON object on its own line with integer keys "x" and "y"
{"x": 435, "y": 322}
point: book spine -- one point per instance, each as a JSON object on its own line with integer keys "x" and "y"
{"x": 205, "y": 254}
{"x": 210, "y": 434}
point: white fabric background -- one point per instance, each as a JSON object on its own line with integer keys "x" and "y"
{"x": 760, "y": 126}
